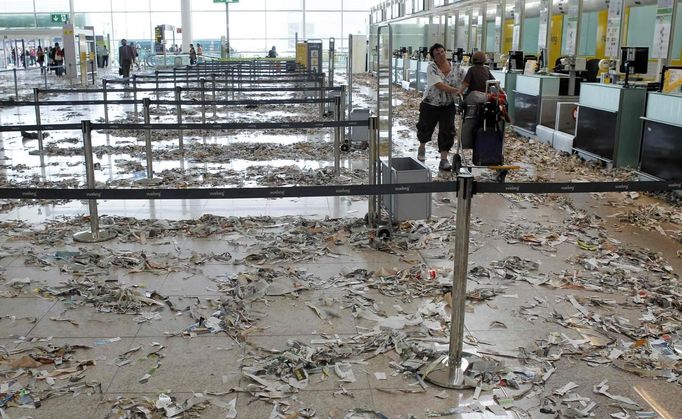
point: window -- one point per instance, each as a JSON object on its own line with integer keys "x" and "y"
{"x": 323, "y": 5}
{"x": 131, "y": 5}
{"x": 50, "y": 6}
{"x": 323, "y": 25}
{"x": 354, "y": 23}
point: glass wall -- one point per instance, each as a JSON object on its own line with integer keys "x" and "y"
{"x": 255, "y": 25}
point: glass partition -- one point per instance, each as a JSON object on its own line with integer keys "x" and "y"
{"x": 676, "y": 56}
{"x": 531, "y": 28}
{"x": 410, "y": 33}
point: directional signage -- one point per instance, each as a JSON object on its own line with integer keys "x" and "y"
{"x": 59, "y": 17}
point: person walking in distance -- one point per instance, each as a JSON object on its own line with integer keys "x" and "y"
{"x": 40, "y": 58}
{"x": 125, "y": 58}
{"x": 105, "y": 57}
{"x": 192, "y": 55}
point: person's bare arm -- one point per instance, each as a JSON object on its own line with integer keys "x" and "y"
{"x": 446, "y": 88}
{"x": 464, "y": 86}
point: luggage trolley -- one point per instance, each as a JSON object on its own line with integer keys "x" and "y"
{"x": 482, "y": 129}
{"x": 392, "y": 169}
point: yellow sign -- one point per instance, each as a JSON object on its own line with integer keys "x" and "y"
{"x": 92, "y": 56}
{"x": 301, "y": 53}
{"x": 83, "y": 56}
{"x": 672, "y": 81}
{"x": 68, "y": 31}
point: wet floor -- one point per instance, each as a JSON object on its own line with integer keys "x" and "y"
{"x": 596, "y": 299}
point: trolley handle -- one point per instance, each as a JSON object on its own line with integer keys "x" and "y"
{"x": 459, "y": 104}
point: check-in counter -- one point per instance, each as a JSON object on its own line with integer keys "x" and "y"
{"x": 662, "y": 139}
{"x": 535, "y": 100}
{"x": 508, "y": 83}
{"x": 609, "y": 125}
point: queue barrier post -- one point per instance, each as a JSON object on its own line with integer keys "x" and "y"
{"x": 104, "y": 98}
{"x": 16, "y": 85}
{"x": 36, "y": 99}
{"x": 178, "y": 111}
{"x": 135, "y": 95}
{"x": 337, "y": 136}
{"x": 449, "y": 371}
{"x": 95, "y": 235}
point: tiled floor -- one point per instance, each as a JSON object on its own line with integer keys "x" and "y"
{"x": 211, "y": 364}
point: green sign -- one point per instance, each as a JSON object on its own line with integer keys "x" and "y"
{"x": 59, "y": 17}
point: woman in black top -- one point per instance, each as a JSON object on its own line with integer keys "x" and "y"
{"x": 477, "y": 75}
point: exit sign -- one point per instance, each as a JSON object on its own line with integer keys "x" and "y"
{"x": 59, "y": 17}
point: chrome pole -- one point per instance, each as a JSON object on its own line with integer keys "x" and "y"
{"x": 178, "y": 111}
{"x": 104, "y": 97}
{"x": 135, "y": 95}
{"x": 213, "y": 97}
{"x": 95, "y": 234}
{"x": 148, "y": 137}
{"x": 372, "y": 200}
{"x": 16, "y": 84}
{"x": 459, "y": 280}
{"x": 202, "y": 86}
{"x": 337, "y": 136}
{"x": 40, "y": 131}
{"x": 321, "y": 81}
{"x": 458, "y": 361}
{"x": 156, "y": 73}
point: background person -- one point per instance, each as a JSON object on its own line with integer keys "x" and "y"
{"x": 126, "y": 55}
{"x": 105, "y": 57}
{"x": 192, "y": 55}
{"x": 40, "y": 58}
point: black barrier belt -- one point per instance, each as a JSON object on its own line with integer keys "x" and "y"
{"x": 191, "y": 126}
{"x": 72, "y": 102}
{"x": 579, "y": 187}
{"x": 241, "y": 102}
{"x": 330, "y": 190}
{"x": 45, "y": 127}
{"x": 228, "y": 193}
{"x": 235, "y": 125}
{"x": 197, "y": 89}
{"x": 217, "y": 80}
{"x": 164, "y": 102}
{"x": 221, "y": 74}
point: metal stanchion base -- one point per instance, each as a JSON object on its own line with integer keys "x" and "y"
{"x": 438, "y": 372}
{"x": 88, "y": 237}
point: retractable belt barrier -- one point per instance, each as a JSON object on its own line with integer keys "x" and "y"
{"x": 184, "y": 78}
{"x": 167, "y": 102}
{"x": 188, "y": 126}
{"x": 194, "y": 89}
{"x": 332, "y": 190}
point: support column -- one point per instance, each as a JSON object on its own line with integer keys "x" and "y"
{"x": 186, "y": 23}
{"x": 69, "y": 47}
{"x": 72, "y": 13}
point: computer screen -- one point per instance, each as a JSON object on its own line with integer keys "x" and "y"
{"x": 637, "y": 59}
{"x": 516, "y": 61}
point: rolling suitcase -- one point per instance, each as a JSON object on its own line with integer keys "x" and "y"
{"x": 489, "y": 137}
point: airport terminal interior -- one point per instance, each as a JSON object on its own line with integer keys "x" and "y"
{"x": 341, "y": 209}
